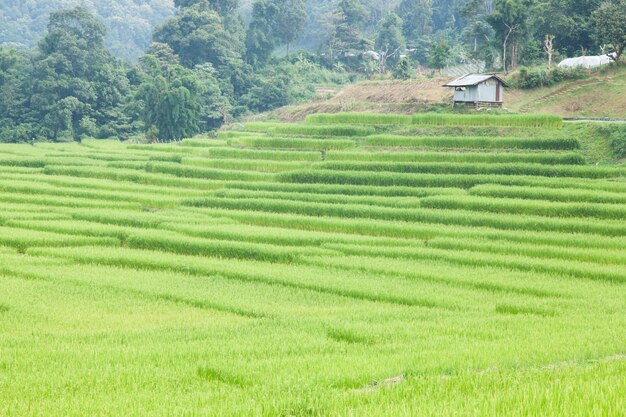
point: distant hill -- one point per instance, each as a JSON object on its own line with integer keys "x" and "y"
{"x": 129, "y": 22}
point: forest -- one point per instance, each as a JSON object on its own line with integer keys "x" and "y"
{"x": 156, "y": 70}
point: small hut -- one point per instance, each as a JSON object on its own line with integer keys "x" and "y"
{"x": 478, "y": 90}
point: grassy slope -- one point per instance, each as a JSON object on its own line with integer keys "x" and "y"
{"x": 602, "y": 95}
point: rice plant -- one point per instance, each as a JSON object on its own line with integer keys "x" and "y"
{"x": 360, "y": 118}
{"x": 348, "y": 265}
{"x": 525, "y": 120}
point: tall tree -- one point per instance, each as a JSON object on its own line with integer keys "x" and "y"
{"x": 609, "y": 25}
{"x": 291, "y": 18}
{"x": 215, "y": 106}
{"x": 389, "y": 40}
{"x": 260, "y": 37}
{"x": 170, "y": 97}
{"x": 274, "y": 23}
{"x": 417, "y": 19}
{"x": 439, "y": 54}
{"x": 477, "y": 34}
{"x": 347, "y": 42}
{"x": 569, "y": 20}
{"x": 197, "y": 35}
{"x": 15, "y": 75}
{"x": 510, "y": 22}
{"x": 74, "y": 76}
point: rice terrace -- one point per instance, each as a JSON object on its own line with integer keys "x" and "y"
{"x": 347, "y": 265}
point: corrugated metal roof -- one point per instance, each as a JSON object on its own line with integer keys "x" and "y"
{"x": 473, "y": 79}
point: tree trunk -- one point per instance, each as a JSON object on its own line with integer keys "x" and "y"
{"x": 506, "y": 38}
{"x": 504, "y": 56}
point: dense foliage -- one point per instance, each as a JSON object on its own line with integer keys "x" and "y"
{"x": 209, "y": 62}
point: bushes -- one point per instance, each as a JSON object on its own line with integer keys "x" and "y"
{"x": 617, "y": 141}
{"x": 528, "y": 78}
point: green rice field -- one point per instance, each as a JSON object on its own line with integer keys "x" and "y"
{"x": 342, "y": 266}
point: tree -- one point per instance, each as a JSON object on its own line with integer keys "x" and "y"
{"x": 14, "y": 72}
{"x": 223, "y": 7}
{"x": 609, "y": 25}
{"x": 570, "y": 19}
{"x": 478, "y": 33}
{"x": 439, "y": 54}
{"x": 416, "y": 17}
{"x": 548, "y": 47}
{"x": 215, "y": 107}
{"x": 197, "y": 35}
{"x": 510, "y": 21}
{"x": 291, "y": 18}
{"x": 261, "y": 37}
{"x": 389, "y": 40}
{"x": 74, "y": 76}
{"x": 274, "y": 23}
{"x": 170, "y": 99}
{"x": 403, "y": 70}
{"x": 346, "y": 43}
{"x": 270, "y": 91}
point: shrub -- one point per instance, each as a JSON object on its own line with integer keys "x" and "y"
{"x": 618, "y": 142}
{"x": 539, "y": 77}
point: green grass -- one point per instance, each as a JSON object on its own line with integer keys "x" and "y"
{"x": 351, "y": 265}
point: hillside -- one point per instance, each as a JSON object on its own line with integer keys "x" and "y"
{"x": 601, "y": 95}
{"x": 380, "y": 265}
{"x": 129, "y": 22}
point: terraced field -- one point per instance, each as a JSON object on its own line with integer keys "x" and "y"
{"x": 346, "y": 266}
